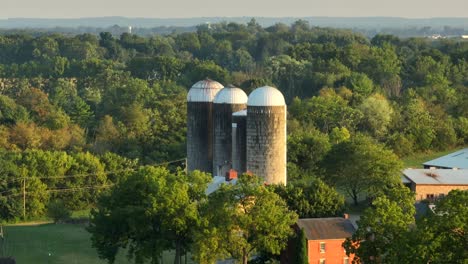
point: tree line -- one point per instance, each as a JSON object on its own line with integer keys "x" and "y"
{"x": 34, "y": 179}
{"x": 106, "y": 93}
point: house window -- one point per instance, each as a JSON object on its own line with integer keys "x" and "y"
{"x": 345, "y": 260}
{"x": 430, "y": 197}
{"x": 322, "y": 261}
{"x": 322, "y": 247}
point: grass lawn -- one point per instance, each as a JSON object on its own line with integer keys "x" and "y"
{"x": 66, "y": 243}
{"x": 416, "y": 160}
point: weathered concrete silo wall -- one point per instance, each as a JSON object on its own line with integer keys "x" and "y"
{"x": 200, "y": 125}
{"x": 222, "y": 152}
{"x": 266, "y": 142}
{"x": 199, "y": 136}
{"x": 239, "y": 141}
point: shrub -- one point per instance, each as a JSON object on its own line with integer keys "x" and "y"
{"x": 58, "y": 211}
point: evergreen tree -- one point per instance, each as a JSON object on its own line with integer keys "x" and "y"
{"x": 301, "y": 255}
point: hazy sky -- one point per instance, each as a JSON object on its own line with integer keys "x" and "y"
{"x": 211, "y": 8}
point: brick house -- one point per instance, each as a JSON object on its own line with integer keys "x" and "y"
{"x": 325, "y": 237}
{"x": 430, "y": 184}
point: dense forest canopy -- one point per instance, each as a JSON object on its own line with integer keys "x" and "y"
{"x": 80, "y": 97}
{"x": 127, "y": 94}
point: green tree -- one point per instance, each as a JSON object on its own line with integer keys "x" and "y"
{"x": 107, "y": 136}
{"x": 301, "y": 256}
{"x": 312, "y": 198}
{"x": 65, "y": 95}
{"x": 25, "y": 136}
{"x": 416, "y": 122}
{"x": 338, "y": 135}
{"x": 383, "y": 66}
{"x": 382, "y": 231}
{"x": 17, "y": 175}
{"x": 117, "y": 167}
{"x": 84, "y": 163}
{"x": 461, "y": 127}
{"x": 10, "y": 112}
{"x": 149, "y": 211}
{"x": 243, "y": 61}
{"x": 42, "y": 111}
{"x": 326, "y": 111}
{"x": 240, "y": 219}
{"x": 288, "y": 74}
{"x": 377, "y": 115}
{"x": 360, "y": 165}
{"x": 307, "y": 148}
{"x": 441, "y": 237}
{"x": 199, "y": 70}
{"x": 156, "y": 68}
{"x": 188, "y": 42}
{"x": 361, "y": 85}
{"x": 58, "y": 211}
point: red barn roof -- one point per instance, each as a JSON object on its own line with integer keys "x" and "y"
{"x": 326, "y": 228}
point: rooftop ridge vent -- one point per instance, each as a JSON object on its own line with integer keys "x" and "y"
{"x": 431, "y": 174}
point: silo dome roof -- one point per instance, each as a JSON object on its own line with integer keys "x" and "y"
{"x": 266, "y": 96}
{"x": 240, "y": 113}
{"x": 230, "y": 95}
{"x": 204, "y": 91}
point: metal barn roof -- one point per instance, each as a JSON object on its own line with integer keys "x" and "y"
{"x": 204, "y": 91}
{"x": 266, "y": 96}
{"x": 437, "y": 176}
{"x": 216, "y": 182}
{"x": 458, "y": 159}
{"x": 326, "y": 228}
{"x": 230, "y": 95}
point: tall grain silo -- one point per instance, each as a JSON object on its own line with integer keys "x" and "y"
{"x": 239, "y": 139}
{"x": 227, "y": 101}
{"x": 266, "y": 135}
{"x": 200, "y": 125}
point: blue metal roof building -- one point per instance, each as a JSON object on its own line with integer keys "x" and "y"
{"x": 455, "y": 160}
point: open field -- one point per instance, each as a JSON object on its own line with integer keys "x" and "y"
{"x": 54, "y": 244}
{"x": 416, "y": 160}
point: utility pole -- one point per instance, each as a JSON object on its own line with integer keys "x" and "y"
{"x": 2, "y": 239}
{"x": 24, "y": 198}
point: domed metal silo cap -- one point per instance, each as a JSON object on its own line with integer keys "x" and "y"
{"x": 230, "y": 95}
{"x": 266, "y": 96}
{"x": 204, "y": 91}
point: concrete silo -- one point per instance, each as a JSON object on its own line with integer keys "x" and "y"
{"x": 266, "y": 135}
{"x": 200, "y": 125}
{"x": 239, "y": 139}
{"x": 226, "y": 102}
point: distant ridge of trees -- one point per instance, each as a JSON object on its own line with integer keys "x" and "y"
{"x": 370, "y": 26}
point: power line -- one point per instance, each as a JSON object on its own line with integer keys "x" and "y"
{"x": 92, "y": 174}
{"x": 73, "y": 175}
{"x": 79, "y": 188}
{"x": 73, "y": 189}
{"x": 66, "y": 189}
